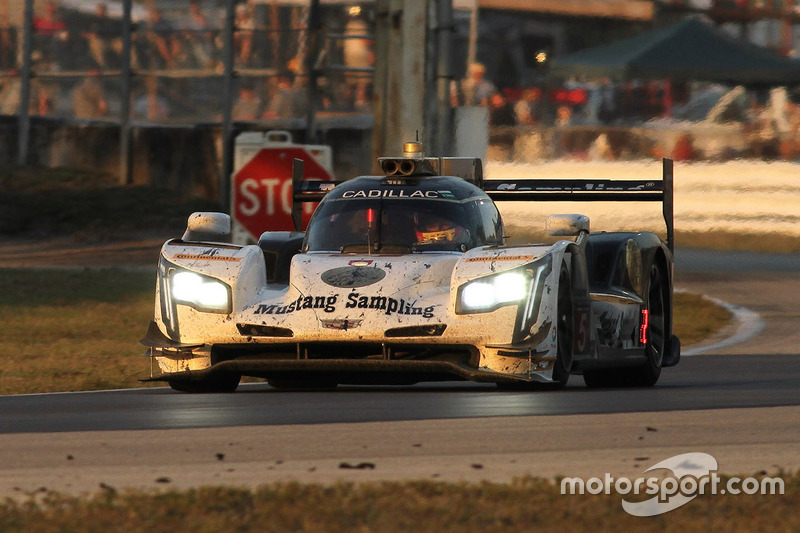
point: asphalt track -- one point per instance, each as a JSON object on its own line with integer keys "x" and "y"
{"x": 739, "y": 403}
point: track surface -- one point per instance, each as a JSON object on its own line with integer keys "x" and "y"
{"x": 701, "y": 382}
{"x": 740, "y": 404}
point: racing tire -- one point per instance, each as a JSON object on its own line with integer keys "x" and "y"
{"x": 656, "y": 334}
{"x": 222, "y": 383}
{"x": 564, "y": 330}
{"x": 645, "y": 375}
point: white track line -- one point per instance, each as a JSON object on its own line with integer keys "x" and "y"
{"x": 749, "y": 322}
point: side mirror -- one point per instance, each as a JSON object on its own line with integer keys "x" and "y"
{"x": 208, "y": 227}
{"x": 566, "y": 225}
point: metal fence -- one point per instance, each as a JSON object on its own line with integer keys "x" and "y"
{"x": 174, "y": 62}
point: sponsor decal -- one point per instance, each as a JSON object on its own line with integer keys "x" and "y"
{"x": 350, "y": 277}
{"x": 397, "y": 193}
{"x": 341, "y": 324}
{"x": 212, "y": 254}
{"x": 499, "y": 258}
{"x": 326, "y": 303}
{"x": 387, "y": 305}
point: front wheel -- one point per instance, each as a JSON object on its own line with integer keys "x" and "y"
{"x": 564, "y": 330}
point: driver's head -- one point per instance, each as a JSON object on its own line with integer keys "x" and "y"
{"x": 432, "y": 228}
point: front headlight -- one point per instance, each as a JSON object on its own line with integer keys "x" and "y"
{"x": 204, "y": 293}
{"x": 492, "y": 292}
{"x": 488, "y": 293}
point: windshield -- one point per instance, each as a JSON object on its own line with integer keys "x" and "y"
{"x": 380, "y": 225}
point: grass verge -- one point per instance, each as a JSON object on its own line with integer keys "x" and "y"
{"x": 526, "y": 504}
{"x": 71, "y": 330}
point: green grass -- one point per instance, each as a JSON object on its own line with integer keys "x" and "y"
{"x": 525, "y": 505}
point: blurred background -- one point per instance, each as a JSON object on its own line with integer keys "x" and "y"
{"x": 156, "y": 91}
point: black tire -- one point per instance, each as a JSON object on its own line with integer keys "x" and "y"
{"x": 646, "y": 375}
{"x": 564, "y": 330}
{"x": 222, "y": 383}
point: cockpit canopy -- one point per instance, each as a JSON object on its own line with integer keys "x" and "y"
{"x": 383, "y": 215}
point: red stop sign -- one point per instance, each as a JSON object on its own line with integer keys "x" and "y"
{"x": 262, "y": 189}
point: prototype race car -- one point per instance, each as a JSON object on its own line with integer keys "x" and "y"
{"x": 405, "y": 277}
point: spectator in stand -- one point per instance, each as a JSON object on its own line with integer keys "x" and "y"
{"x": 244, "y": 24}
{"x": 289, "y": 100}
{"x": 88, "y": 97}
{"x": 607, "y": 109}
{"x": 475, "y": 89}
{"x": 160, "y": 46}
{"x": 197, "y": 39}
{"x": 563, "y": 116}
{"x": 103, "y": 38}
{"x": 501, "y": 113}
{"x": 51, "y": 35}
{"x": 151, "y": 105}
{"x": 527, "y": 111}
{"x": 44, "y": 97}
{"x": 10, "y": 93}
{"x": 8, "y": 40}
{"x": 248, "y": 105}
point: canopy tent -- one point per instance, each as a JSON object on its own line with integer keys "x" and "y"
{"x": 689, "y": 50}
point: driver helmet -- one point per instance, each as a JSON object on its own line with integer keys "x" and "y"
{"x": 430, "y": 227}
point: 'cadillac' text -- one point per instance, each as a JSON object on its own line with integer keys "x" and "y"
{"x": 396, "y": 193}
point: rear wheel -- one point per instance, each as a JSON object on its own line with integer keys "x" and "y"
{"x": 224, "y": 383}
{"x": 656, "y": 338}
{"x": 648, "y": 374}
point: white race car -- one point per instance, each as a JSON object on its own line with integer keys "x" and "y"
{"x": 405, "y": 277}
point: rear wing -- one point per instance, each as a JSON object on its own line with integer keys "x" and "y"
{"x": 592, "y": 190}
{"x": 306, "y": 191}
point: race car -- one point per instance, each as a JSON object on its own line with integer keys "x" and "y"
{"x": 406, "y": 277}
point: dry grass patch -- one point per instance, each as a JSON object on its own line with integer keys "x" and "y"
{"x": 73, "y": 330}
{"x": 527, "y": 504}
{"x": 697, "y": 318}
